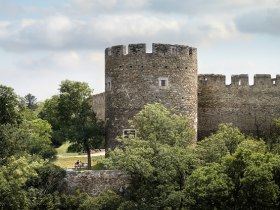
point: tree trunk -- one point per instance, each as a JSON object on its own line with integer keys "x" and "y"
{"x": 89, "y": 158}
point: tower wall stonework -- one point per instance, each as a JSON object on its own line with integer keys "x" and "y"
{"x": 251, "y": 108}
{"x": 133, "y": 79}
{"x": 98, "y": 105}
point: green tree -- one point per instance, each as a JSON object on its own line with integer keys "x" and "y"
{"x": 159, "y": 158}
{"x": 49, "y": 112}
{"x": 13, "y": 177}
{"x": 157, "y": 122}
{"x": 108, "y": 200}
{"x": 246, "y": 179}
{"x": 251, "y": 169}
{"x": 77, "y": 121}
{"x": 44, "y": 190}
{"x": 273, "y": 141}
{"x": 30, "y": 101}
{"x": 49, "y": 179}
{"x": 40, "y": 138}
{"x": 32, "y": 137}
{"x": 209, "y": 188}
{"x": 9, "y": 106}
{"x": 223, "y": 142}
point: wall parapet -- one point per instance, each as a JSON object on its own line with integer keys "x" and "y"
{"x": 96, "y": 182}
{"x": 239, "y": 80}
{"x": 157, "y": 49}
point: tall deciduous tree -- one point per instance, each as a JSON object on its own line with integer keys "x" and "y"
{"x": 49, "y": 112}
{"x": 9, "y": 106}
{"x": 31, "y": 101}
{"x": 78, "y": 122}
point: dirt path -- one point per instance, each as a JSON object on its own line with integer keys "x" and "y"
{"x": 95, "y": 154}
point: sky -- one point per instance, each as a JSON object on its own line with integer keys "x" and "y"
{"x": 43, "y": 42}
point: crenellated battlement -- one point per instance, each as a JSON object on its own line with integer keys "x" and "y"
{"x": 157, "y": 49}
{"x": 206, "y": 79}
{"x": 264, "y": 80}
{"x": 136, "y": 49}
{"x": 240, "y": 80}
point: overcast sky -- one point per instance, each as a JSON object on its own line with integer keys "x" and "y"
{"x": 43, "y": 42}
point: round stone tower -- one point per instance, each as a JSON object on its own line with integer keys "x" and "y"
{"x": 168, "y": 75}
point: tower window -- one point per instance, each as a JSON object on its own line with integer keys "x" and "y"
{"x": 108, "y": 84}
{"x": 129, "y": 133}
{"x": 163, "y": 82}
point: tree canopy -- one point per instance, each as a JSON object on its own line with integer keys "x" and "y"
{"x": 30, "y": 101}
{"x": 21, "y": 130}
{"x": 160, "y": 158}
{"x": 9, "y": 106}
{"x": 72, "y": 117}
{"x": 226, "y": 170}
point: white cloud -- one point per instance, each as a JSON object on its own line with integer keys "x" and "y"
{"x": 57, "y": 43}
{"x": 15, "y": 8}
{"x": 60, "y": 32}
{"x": 60, "y": 60}
{"x": 53, "y": 68}
{"x": 101, "y": 6}
{"x": 264, "y": 21}
{"x": 186, "y": 7}
{"x": 116, "y": 27}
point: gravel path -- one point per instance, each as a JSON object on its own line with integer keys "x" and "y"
{"x": 95, "y": 154}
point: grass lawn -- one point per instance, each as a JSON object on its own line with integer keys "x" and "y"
{"x": 62, "y": 150}
{"x": 67, "y": 160}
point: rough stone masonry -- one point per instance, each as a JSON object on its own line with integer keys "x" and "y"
{"x": 169, "y": 76}
{"x": 96, "y": 182}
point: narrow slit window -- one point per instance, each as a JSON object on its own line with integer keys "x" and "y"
{"x": 108, "y": 84}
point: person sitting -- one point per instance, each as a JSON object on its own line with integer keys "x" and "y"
{"x": 77, "y": 164}
{"x": 80, "y": 164}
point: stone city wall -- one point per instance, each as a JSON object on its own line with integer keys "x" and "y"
{"x": 98, "y": 105}
{"x": 96, "y": 182}
{"x": 251, "y": 108}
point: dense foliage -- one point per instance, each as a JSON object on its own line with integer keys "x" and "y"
{"x": 10, "y": 106}
{"x": 226, "y": 170}
{"x": 30, "y": 101}
{"x": 21, "y": 130}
